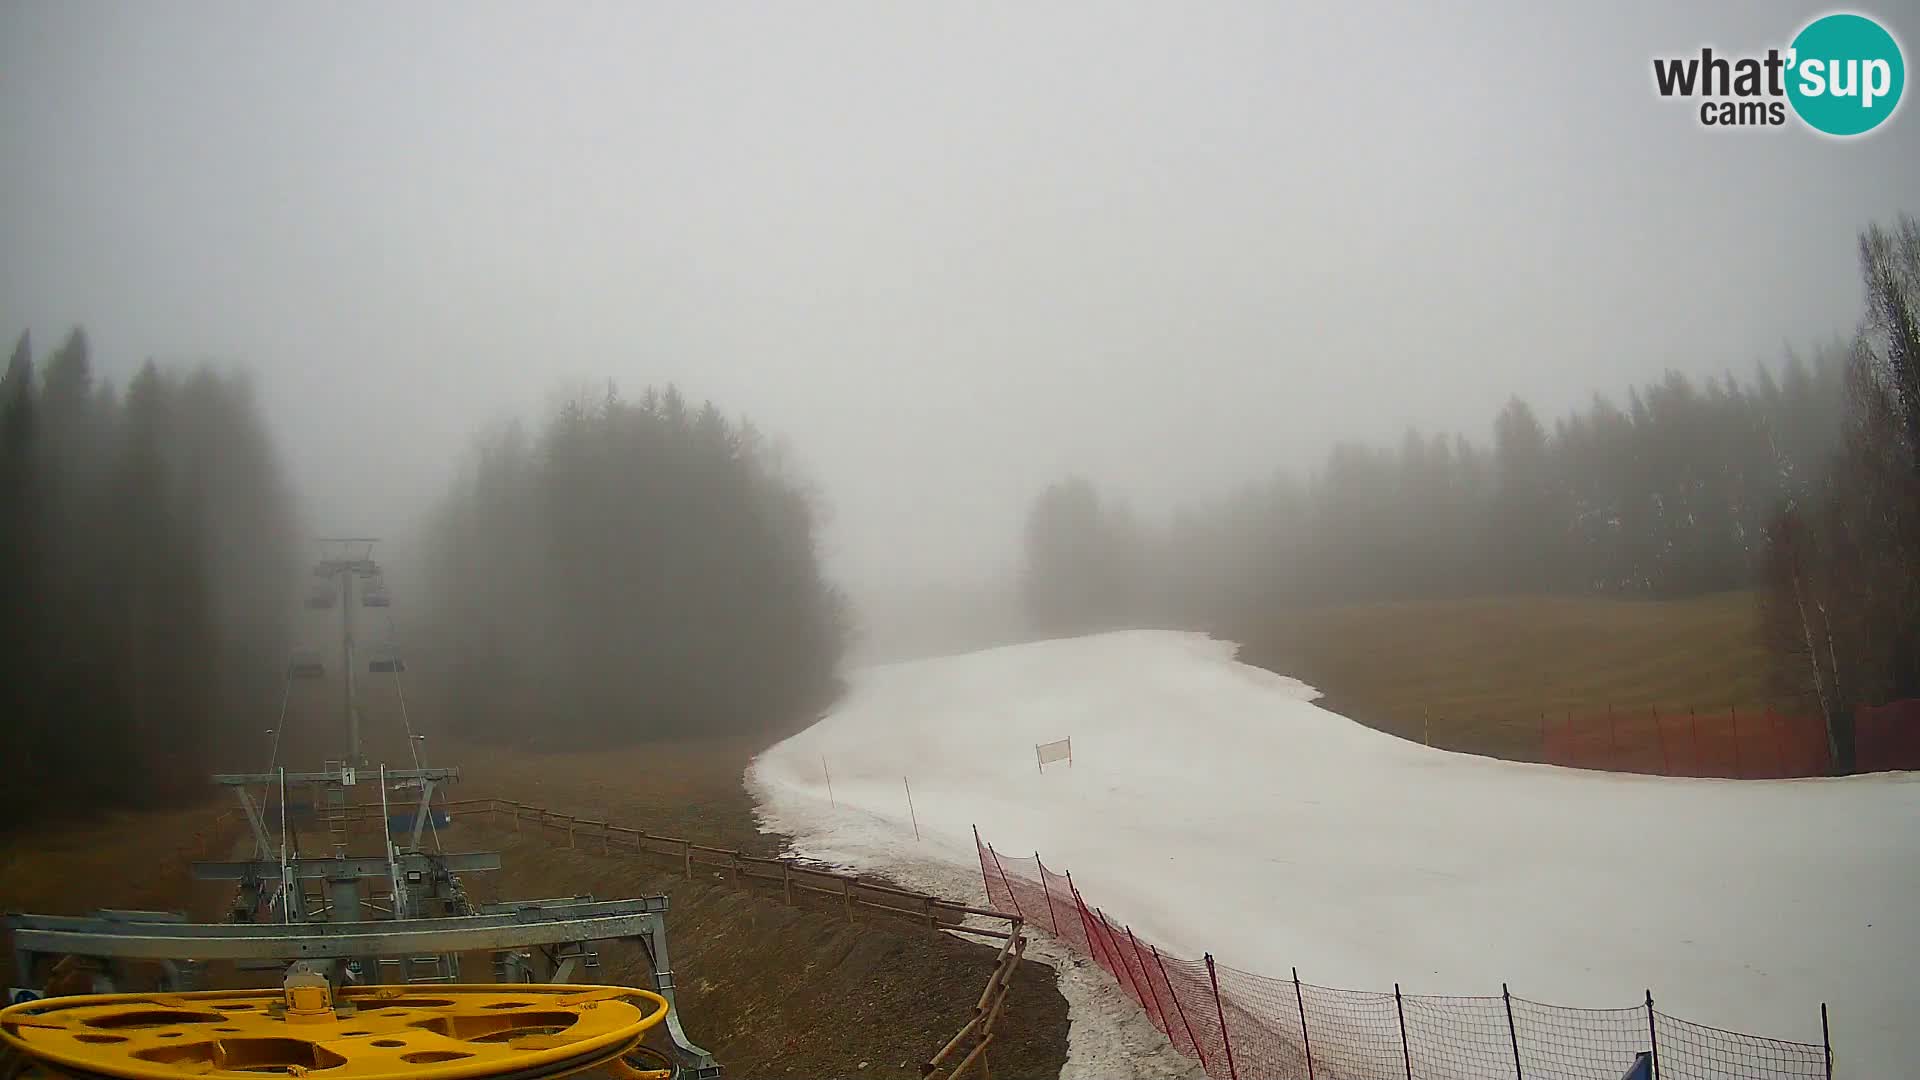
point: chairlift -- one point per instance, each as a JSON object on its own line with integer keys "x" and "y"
{"x": 320, "y": 597}
{"x": 376, "y": 596}
{"x": 385, "y": 658}
{"x": 305, "y": 664}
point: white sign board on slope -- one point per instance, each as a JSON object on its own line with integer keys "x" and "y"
{"x": 1049, "y": 752}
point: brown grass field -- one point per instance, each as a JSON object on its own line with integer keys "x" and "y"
{"x": 1480, "y": 675}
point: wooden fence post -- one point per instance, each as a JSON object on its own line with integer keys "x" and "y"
{"x": 786, "y": 880}
{"x": 686, "y": 852}
{"x": 846, "y": 895}
{"x": 1220, "y": 1011}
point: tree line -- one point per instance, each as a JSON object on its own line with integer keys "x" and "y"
{"x": 634, "y": 570}
{"x": 1669, "y": 496}
{"x": 147, "y": 541}
{"x": 1796, "y": 478}
{"x": 1842, "y": 605}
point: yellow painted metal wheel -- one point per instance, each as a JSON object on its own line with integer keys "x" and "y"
{"x": 419, "y": 1032}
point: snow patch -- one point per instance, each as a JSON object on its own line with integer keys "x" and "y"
{"x": 1214, "y": 807}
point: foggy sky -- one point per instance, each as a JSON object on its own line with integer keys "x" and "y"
{"x": 949, "y": 253}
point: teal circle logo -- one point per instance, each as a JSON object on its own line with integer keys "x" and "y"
{"x": 1846, "y": 74}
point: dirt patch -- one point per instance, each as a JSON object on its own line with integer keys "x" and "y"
{"x": 771, "y": 989}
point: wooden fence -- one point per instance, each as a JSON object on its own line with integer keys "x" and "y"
{"x": 968, "y": 1045}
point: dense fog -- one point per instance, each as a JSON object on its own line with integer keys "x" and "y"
{"x": 684, "y": 357}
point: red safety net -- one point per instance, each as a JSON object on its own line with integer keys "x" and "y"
{"x": 1750, "y": 744}
{"x": 1888, "y": 737}
{"x": 1242, "y": 1026}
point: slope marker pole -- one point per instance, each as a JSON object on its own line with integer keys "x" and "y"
{"x": 910, "y": 812}
{"x": 1221, "y": 1012}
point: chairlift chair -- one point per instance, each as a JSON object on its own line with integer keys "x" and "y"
{"x": 385, "y": 657}
{"x": 305, "y": 664}
{"x": 320, "y": 597}
{"x": 376, "y": 596}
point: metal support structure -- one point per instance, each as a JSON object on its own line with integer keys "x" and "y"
{"x": 361, "y": 867}
{"x": 533, "y": 926}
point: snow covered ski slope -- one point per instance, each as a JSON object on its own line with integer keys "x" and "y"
{"x": 1214, "y": 808}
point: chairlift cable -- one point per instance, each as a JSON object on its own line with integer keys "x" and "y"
{"x": 413, "y": 745}
{"x": 279, "y": 728}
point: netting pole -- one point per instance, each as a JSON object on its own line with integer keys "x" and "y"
{"x": 1734, "y": 714}
{"x": 1305, "y": 1042}
{"x": 1660, "y": 732}
{"x": 1826, "y": 1039}
{"x": 1400, "y": 1011}
{"x": 1653, "y": 1038}
{"x": 1512, "y": 1033}
{"x": 1693, "y": 721}
{"x": 1004, "y": 883}
{"x": 1115, "y": 940}
{"x": 1086, "y": 923}
{"x": 1052, "y": 915}
{"x": 1220, "y": 1011}
{"x": 1165, "y": 1026}
{"x": 1178, "y": 1010}
{"x": 828, "y": 773}
{"x": 985, "y": 881}
{"x": 910, "y": 812}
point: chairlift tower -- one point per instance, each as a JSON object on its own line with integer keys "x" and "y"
{"x": 345, "y": 953}
{"x": 348, "y": 558}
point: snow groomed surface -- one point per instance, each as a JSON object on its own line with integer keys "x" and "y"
{"x": 1214, "y": 808}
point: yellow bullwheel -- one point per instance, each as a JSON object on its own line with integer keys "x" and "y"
{"x": 456, "y": 1032}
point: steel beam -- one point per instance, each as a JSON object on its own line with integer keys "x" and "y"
{"x": 443, "y": 774}
{"x": 325, "y": 941}
{"x": 367, "y": 867}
